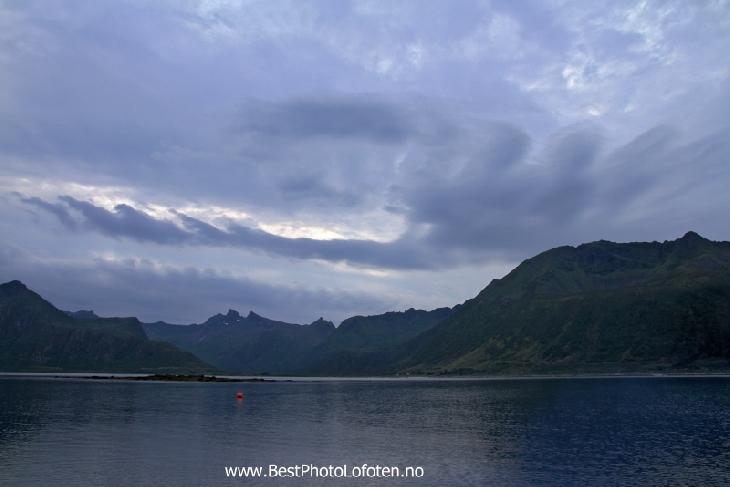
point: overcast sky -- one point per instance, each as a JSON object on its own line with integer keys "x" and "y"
{"x": 171, "y": 160}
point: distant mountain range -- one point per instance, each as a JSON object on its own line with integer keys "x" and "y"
{"x": 254, "y": 344}
{"x": 598, "y": 307}
{"x": 251, "y": 344}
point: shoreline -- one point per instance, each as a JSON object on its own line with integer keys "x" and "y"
{"x": 198, "y": 378}
{"x": 173, "y": 378}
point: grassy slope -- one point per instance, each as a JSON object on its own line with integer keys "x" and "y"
{"x": 597, "y": 307}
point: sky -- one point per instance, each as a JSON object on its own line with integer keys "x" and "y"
{"x": 173, "y": 159}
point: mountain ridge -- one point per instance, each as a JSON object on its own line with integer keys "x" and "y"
{"x": 541, "y": 315}
{"x": 255, "y": 344}
{"x": 596, "y": 307}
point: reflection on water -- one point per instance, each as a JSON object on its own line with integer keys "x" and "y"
{"x": 518, "y": 432}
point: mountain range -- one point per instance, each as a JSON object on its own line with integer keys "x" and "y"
{"x": 597, "y": 307}
{"x": 250, "y": 344}
{"x": 255, "y": 345}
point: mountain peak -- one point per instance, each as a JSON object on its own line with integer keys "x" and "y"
{"x": 322, "y": 322}
{"x": 254, "y": 315}
{"x": 14, "y": 289}
{"x": 693, "y": 237}
{"x": 219, "y": 319}
{"x": 692, "y": 242}
{"x": 13, "y": 286}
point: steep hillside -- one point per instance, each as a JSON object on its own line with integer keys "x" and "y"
{"x": 362, "y": 344}
{"x": 601, "y": 306}
{"x": 36, "y": 336}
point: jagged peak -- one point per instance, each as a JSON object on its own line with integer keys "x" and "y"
{"x": 322, "y": 322}
{"x": 231, "y": 317}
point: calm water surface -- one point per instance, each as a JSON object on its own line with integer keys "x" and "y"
{"x": 631, "y": 431}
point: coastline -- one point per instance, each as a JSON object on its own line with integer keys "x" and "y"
{"x": 179, "y": 378}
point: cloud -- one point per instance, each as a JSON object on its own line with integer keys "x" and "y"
{"x": 55, "y": 209}
{"x": 505, "y": 198}
{"x": 427, "y": 138}
{"x": 125, "y": 221}
{"x": 508, "y": 197}
{"x": 333, "y": 117}
{"x": 153, "y": 291}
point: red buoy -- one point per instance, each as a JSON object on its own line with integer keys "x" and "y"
{"x": 239, "y": 395}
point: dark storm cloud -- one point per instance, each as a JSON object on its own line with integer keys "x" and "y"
{"x": 638, "y": 163}
{"x": 499, "y": 198}
{"x": 137, "y": 287}
{"x": 400, "y": 254}
{"x": 508, "y": 199}
{"x": 337, "y": 117}
{"x": 127, "y": 222}
{"x": 56, "y": 210}
{"x": 569, "y": 184}
{"x": 124, "y": 221}
{"x": 503, "y": 199}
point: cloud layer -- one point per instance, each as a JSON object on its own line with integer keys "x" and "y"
{"x": 150, "y": 291}
{"x": 371, "y": 147}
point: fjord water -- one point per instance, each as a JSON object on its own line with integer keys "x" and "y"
{"x": 580, "y": 431}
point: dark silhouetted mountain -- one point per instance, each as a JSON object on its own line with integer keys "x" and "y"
{"x": 251, "y": 344}
{"x": 255, "y": 344}
{"x": 36, "y": 336}
{"x": 83, "y": 314}
{"x": 601, "y": 306}
{"x": 362, "y": 344}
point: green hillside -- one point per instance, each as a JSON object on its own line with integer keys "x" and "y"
{"x": 600, "y": 306}
{"x": 36, "y": 336}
